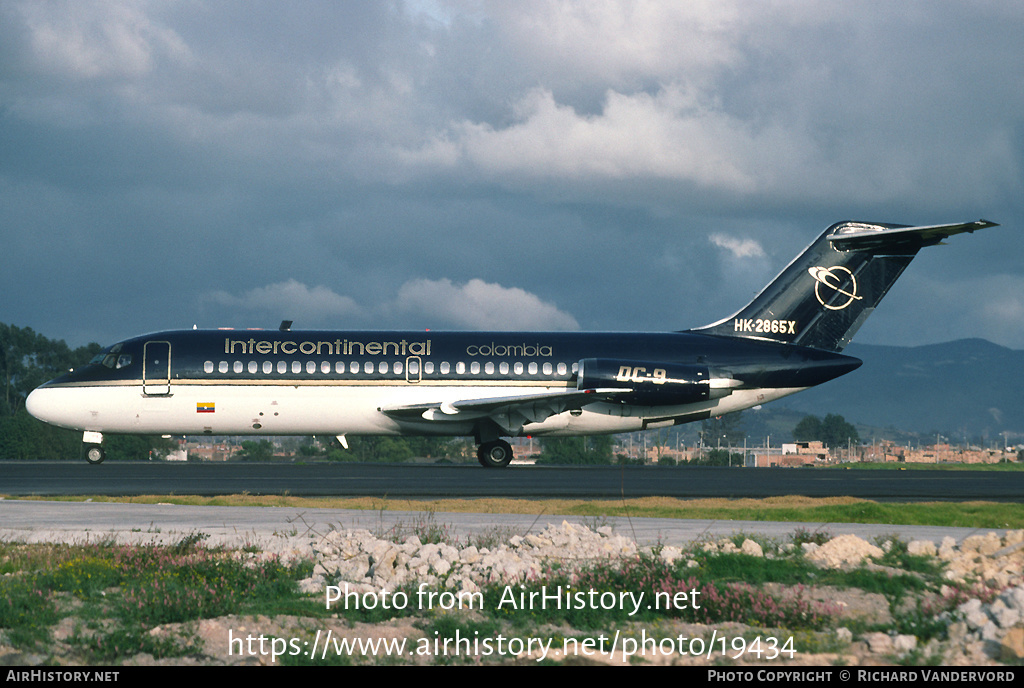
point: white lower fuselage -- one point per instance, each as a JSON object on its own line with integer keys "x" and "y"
{"x": 332, "y": 409}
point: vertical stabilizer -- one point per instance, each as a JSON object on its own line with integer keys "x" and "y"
{"x": 823, "y": 297}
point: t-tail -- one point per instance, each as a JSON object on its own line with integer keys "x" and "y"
{"x": 823, "y": 297}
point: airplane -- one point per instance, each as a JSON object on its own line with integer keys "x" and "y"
{"x": 492, "y": 385}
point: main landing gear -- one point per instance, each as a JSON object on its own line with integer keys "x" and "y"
{"x": 496, "y": 454}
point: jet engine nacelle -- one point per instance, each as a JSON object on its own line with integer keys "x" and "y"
{"x": 655, "y": 383}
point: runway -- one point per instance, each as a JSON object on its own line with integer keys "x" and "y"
{"x": 437, "y": 481}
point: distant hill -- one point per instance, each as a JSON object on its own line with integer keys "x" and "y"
{"x": 963, "y": 389}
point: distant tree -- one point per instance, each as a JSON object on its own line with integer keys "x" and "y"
{"x": 723, "y": 430}
{"x": 833, "y": 431}
{"x": 377, "y": 449}
{"x": 261, "y": 450}
{"x": 436, "y": 447}
{"x": 136, "y": 447}
{"x": 718, "y": 457}
{"x": 576, "y": 450}
{"x": 28, "y": 359}
{"x": 808, "y": 429}
{"x": 23, "y": 438}
{"x": 837, "y": 432}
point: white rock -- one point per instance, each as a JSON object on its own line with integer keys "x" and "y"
{"x": 752, "y": 548}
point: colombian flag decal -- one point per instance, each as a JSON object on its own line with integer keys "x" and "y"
{"x": 205, "y": 407}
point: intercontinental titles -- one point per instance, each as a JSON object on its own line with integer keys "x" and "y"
{"x": 339, "y": 347}
{"x": 349, "y": 347}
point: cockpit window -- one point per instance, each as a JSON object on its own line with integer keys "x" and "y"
{"x": 112, "y": 358}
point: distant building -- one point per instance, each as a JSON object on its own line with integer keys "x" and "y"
{"x": 212, "y": 452}
{"x": 887, "y": 451}
{"x": 944, "y": 453}
{"x": 791, "y": 455}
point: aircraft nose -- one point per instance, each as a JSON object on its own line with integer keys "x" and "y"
{"x": 35, "y": 403}
{"x": 42, "y": 403}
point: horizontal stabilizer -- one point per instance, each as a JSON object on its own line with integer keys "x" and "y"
{"x": 865, "y": 237}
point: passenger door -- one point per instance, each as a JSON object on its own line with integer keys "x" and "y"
{"x": 156, "y": 369}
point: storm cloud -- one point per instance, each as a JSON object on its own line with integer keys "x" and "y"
{"x": 533, "y": 165}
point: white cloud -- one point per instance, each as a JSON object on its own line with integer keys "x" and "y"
{"x": 615, "y": 42}
{"x": 96, "y": 39}
{"x": 290, "y": 300}
{"x": 481, "y": 305}
{"x": 740, "y": 248}
{"x": 669, "y": 135}
{"x": 793, "y": 104}
{"x": 475, "y": 305}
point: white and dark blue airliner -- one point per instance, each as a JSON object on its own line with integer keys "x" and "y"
{"x": 491, "y": 385}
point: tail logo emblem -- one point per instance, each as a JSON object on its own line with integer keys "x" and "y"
{"x": 832, "y": 280}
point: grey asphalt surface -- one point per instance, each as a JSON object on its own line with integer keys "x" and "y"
{"x": 525, "y": 482}
{"x": 40, "y": 521}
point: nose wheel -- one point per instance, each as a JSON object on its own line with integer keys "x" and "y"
{"x": 94, "y": 453}
{"x": 496, "y": 454}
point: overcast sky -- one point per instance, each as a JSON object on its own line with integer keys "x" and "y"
{"x": 536, "y": 164}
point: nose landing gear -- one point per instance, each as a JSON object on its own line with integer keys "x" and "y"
{"x": 92, "y": 447}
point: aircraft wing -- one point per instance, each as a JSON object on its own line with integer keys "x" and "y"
{"x": 511, "y": 413}
{"x": 902, "y": 237}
